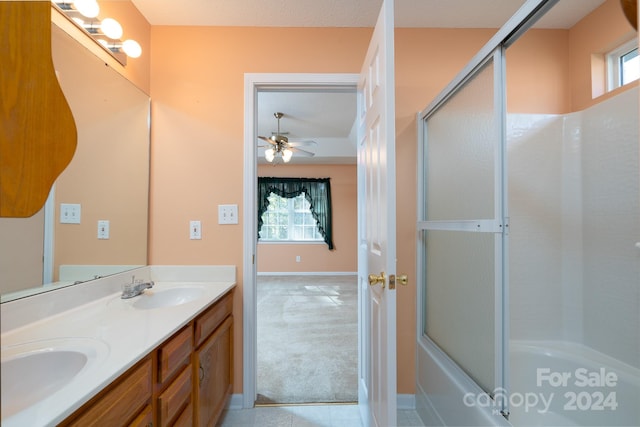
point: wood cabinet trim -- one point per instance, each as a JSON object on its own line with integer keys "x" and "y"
{"x": 172, "y": 401}
{"x": 207, "y": 322}
{"x": 174, "y": 354}
{"x": 120, "y": 402}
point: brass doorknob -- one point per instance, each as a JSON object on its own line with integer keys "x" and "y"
{"x": 400, "y": 278}
{"x": 374, "y": 279}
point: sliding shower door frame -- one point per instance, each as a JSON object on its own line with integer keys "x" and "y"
{"x": 494, "y": 51}
{"x": 497, "y": 225}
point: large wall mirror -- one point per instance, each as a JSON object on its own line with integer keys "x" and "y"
{"x": 108, "y": 179}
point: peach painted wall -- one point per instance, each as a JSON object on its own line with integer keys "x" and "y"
{"x": 598, "y": 33}
{"x": 197, "y": 91}
{"x": 317, "y": 257}
{"x": 538, "y": 72}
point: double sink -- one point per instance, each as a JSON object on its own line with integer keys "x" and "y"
{"x": 35, "y": 370}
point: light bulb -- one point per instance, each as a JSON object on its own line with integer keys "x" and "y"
{"x": 132, "y": 48}
{"x": 286, "y": 155}
{"x": 111, "y": 28}
{"x": 88, "y": 8}
{"x": 269, "y": 155}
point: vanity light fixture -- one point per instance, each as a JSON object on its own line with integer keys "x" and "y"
{"x": 106, "y": 32}
{"x": 111, "y": 28}
{"x": 87, "y": 8}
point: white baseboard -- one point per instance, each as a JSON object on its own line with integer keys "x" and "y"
{"x": 405, "y": 401}
{"x": 235, "y": 402}
{"x": 307, "y": 273}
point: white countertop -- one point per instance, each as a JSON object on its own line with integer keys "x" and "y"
{"x": 123, "y": 334}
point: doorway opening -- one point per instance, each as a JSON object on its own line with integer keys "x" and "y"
{"x": 293, "y": 277}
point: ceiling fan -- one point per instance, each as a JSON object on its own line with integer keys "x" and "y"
{"x": 280, "y": 146}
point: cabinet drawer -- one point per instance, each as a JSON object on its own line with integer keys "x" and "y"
{"x": 172, "y": 401}
{"x": 174, "y": 355}
{"x": 186, "y": 418}
{"x": 120, "y": 403}
{"x": 145, "y": 419}
{"x": 212, "y": 318}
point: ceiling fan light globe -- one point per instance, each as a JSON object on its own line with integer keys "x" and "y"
{"x": 286, "y": 155}
{"x": 269, "y": 155}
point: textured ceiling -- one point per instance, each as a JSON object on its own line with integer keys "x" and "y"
{"x": 349, "y": 13}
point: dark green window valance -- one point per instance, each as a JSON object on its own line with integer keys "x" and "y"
{"x": 317, "y": 191}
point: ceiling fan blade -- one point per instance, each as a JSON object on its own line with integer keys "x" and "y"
{"x": 269, "y": 140}
{"x": 301, "y": 151}
{"x": 301, "y": 143}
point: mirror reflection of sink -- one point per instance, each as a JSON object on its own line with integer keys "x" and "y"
{"x": 151, "y": 298}
{"x": 35, "y": 370}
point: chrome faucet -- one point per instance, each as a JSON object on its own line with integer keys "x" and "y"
{"x": 135, "y": 288}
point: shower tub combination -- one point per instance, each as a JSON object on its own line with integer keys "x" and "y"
{"x": 557, "y": 383}
{"x": 553, "y": 383}
{"x": 572, "y": 351}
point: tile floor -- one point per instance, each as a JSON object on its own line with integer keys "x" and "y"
{"x": 306, "y": 416}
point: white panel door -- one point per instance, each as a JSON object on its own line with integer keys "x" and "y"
{"x": 377, "y": 253}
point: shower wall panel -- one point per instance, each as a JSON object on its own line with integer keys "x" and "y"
{"x": 574, "y": 207}
{"x": 611, "y": 210}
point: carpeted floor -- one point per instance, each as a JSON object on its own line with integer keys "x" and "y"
{"x": 307, "y": 339}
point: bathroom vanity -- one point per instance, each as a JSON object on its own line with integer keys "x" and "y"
{"x": 84, "y": 356}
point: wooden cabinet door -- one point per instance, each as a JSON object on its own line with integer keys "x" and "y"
{"x": 214, "y": 374}
{"x": 173, "y": 400}
{"x": 145, "y": 419}
{"x": 120, "y": 403}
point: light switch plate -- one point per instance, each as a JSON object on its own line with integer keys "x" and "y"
{"x": 70, "y": 213}
{"x": 195, "y": 230}
{"x": 103, "y": 229}
{"x": 227, "y": 214}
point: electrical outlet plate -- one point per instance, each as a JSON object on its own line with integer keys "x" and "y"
{"x": 70, "y": 213}
{"x": 227, "y": 214}
{"x": 195, "y": 230}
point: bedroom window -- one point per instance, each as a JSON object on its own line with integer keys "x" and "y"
{"x": 289, "y": 220}
{"x": 294, "y": 210}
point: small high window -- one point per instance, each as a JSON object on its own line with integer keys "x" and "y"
{"x": 623, "y": 65}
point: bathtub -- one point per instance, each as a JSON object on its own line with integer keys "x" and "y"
{"x": 552, "y": 384}
{"x": 567, "y": 384}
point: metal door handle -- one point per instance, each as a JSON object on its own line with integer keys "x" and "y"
{"x": 402, "y": 279}
{"x": 381, "y": 279}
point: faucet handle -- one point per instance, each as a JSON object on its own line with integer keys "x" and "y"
{"x": 128, "y": 289}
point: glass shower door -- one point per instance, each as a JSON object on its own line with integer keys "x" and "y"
{"x": 461, "y": 226}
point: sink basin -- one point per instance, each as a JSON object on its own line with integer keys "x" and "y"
{"x": 34, "y": 371}
{"x": 167, "y": 297}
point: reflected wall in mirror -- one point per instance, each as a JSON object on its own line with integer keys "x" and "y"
{"x": 108, "y": 177}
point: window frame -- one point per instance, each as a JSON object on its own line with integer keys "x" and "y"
{"x": 613, "y": 60}
{"x": 291, "y": 212}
